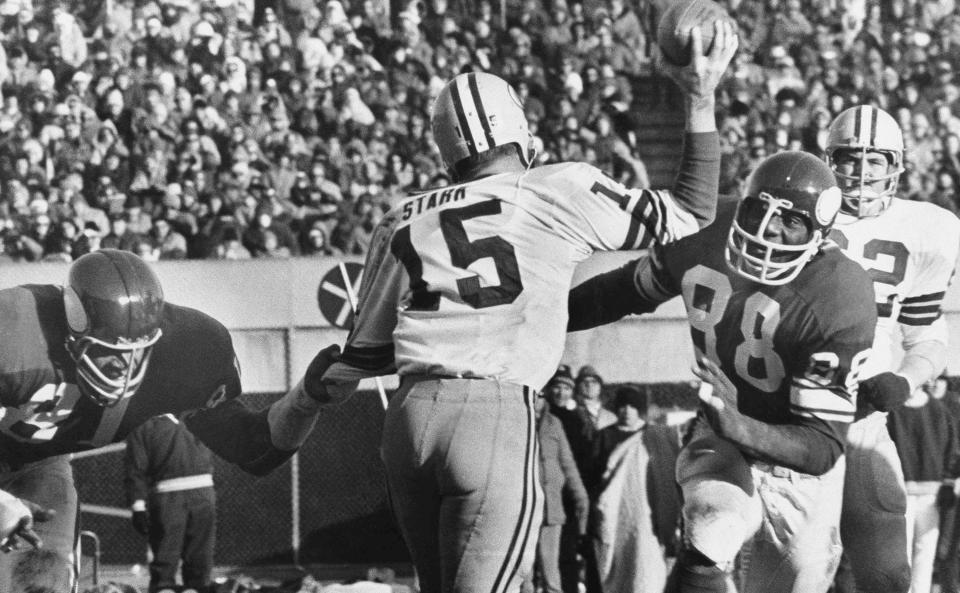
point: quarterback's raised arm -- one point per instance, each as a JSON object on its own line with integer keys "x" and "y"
{"x": 697, "y": 183}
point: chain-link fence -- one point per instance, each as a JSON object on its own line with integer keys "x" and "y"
{"x": 340, "y": 515}
{"x": 343, "y": 514}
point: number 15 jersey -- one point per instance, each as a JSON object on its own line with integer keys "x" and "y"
{"x": 471, "y": 280}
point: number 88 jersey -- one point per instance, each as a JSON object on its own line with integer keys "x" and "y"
{"x": 909, "y": 251}
{"x": 793, "y": 351}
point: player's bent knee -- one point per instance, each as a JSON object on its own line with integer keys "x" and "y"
{"x": 718, "y": 519}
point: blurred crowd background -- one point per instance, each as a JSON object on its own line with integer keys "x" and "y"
{"x": 244, "y": 128}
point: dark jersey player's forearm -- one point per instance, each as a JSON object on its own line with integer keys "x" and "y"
{"x": 802, "y": 448}
{"x": 239, "y": 435}
{"x": 605, "y": 298}
{"x": 698, "y": 180}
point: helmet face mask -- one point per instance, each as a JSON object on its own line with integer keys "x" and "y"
{"x": 113, "y": 304}
{"x": 790, "y": 203}
{"x": 865, "y": 153}
{"x": 476, "y": 112}
{"x": 110, "y": 373}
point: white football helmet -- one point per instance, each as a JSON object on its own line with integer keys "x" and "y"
{"x": 864, "y": 130}
{"x": 475, "y": 112}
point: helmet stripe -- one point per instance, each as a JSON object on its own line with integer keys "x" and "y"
{"x": 481, "y": 112}
{"x": 864, "y": 126}
{"x": 460, "y": 110}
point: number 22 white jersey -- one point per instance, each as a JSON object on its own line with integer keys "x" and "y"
{"x": 472, "y": 280}
{"x": 910, "y": 251}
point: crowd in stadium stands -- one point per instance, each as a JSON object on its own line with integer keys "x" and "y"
{"x": 233, "y": 129}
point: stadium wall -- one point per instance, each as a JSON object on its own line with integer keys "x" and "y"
{"x": 271, "y": 309}
{"x": 330, "y": 504}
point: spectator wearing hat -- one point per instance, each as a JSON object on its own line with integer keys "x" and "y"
{"x": 559, "y": 396}
{"x": 559, "y": 390}
{"x": 561, "y": 482}
{"x": 635, "y": 504}
{"x": 589, "y": 389}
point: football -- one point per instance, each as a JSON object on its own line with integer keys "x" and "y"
{"x": 677, "y": 21}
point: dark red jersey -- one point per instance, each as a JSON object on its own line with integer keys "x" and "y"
{"x": 792, "y": 351}
{"x": 192, "y": 367}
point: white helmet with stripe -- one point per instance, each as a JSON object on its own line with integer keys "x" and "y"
{"x": 475, "y": 112}
{"x": 866, "y": 130}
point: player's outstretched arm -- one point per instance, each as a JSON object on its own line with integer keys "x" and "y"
{"x": 611, "y": 296}
{"x": 259, "y": 441}
{"x": 796, "y": 446}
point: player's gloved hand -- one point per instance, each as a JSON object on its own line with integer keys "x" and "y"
{"x": 882, "y": 392}
{"x": 946, "y": 498}
{"x": 17, "y": 517}
{"x": 313, "y": 378}
{"x": 141, "y": 522}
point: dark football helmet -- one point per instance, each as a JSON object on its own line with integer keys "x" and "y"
{"x": 113, "y": 303}
{"x": 787, "y": 184}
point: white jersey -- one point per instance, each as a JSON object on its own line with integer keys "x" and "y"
{"x": 910, "y": 251}
{"x": 472, "y": 280}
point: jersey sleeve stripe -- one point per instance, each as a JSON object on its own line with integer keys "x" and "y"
{"x": 921, "y": 309}
{"x": 934, "y": 297}
{"x": 657, "y": 225}
{"x": 821, "y": 400}
{"x": 825, "y": 415}
{"x": 925, "y": 319}
{"x": 368, "y": 358}
{"x": 651, "y": 217}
